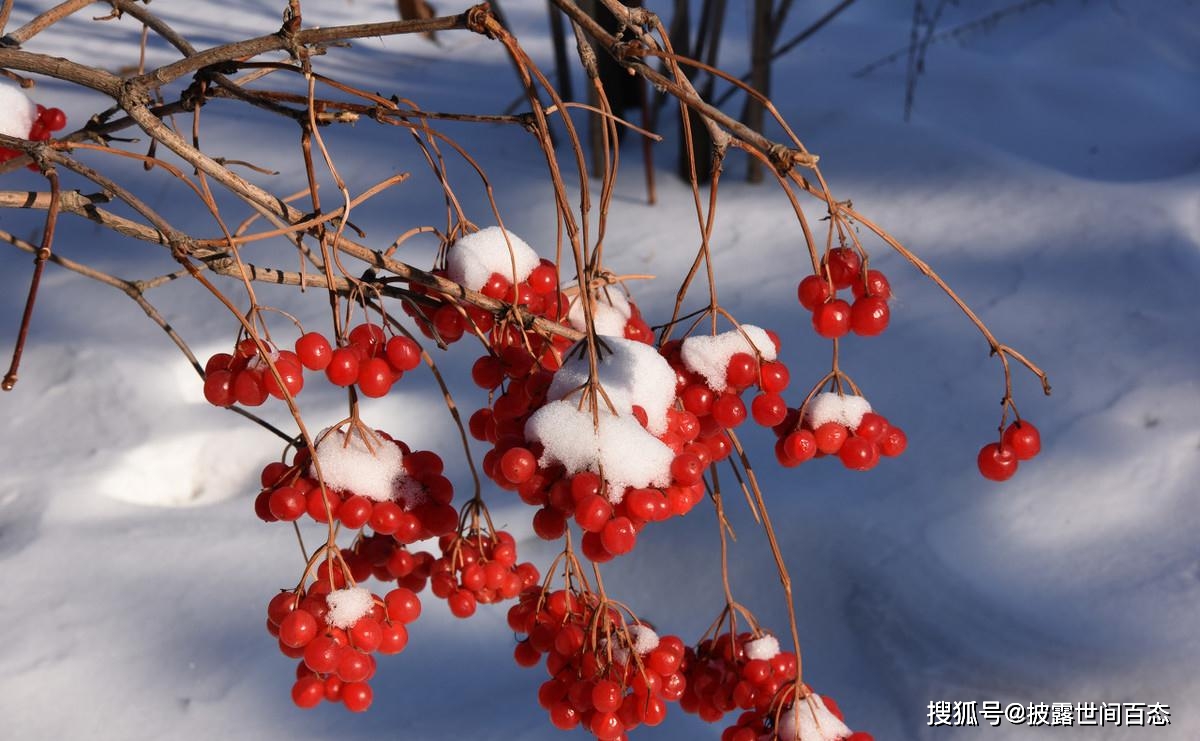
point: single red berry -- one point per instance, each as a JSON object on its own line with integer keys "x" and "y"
{"x": 872, "y": 427}
{"x": 768, "y": 409}
{"x": 844, "y": 266}
{"x": 687, "y": 469}
{"x": 403, "y": 353}
{"x": 813, "y": 291}
{"x": 343, "y": 367}
{"x": 497, "y": 287}
{"x": 248, "y": 387}
{"x": 54, "y": 119}
{"x": 774, "y": 377}
{"x": 742, "y": 370}
{"x": 219, "y": 361}
{"x": 893, "y": 442}
{"x": 830, "y": 437}
{"x": 544, "y": 278}
{"x": 288, "y": 504}
{"x": 487, "y": 372}
{"x": 729, "y": 411}
{"x": 218, "y": 388}
{"x": 290, "y": 373}
{"x": 831, "y": 320}
{"x": 869, "y": 316}
{"x": 308, "y": 692}
{"x": 876, "y": 284}
{"x": 314, "y": 351}
{"x": 297, "y": 628}
{"x": 1023, "y": 439}
{"x": 369, "y": 337}
{"x": 618, "y": 536}
{"x": 801, "y": 445}
{"x": 374, "y": 377}
{"x": 356, "y": 696}
{"x": 858, "y": 454}
{"x": 462, "y": 603}
{"x": 997, "y": 463}
{"x": 517, "y": 465}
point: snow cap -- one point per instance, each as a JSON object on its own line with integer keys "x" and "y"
{"x": 632, "y": 374}
{"x": 348, "y": 464}
{"x": 628, "y": 454}
{"x": 611, "y": 312}
{"x": 765, "y": 648}
{"x": 708, "y": 355}
{"x": 846, "y": 410}
{"x": 473, "y": 258}
{"x": 810, "y": 720}
{"x": 17, "y": 111}
{"x": 346, "y": 606}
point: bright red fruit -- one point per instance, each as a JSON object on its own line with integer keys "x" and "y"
{"x": 314, "y": 351}
{"x": 403, "y": 353}
{"x": 844, "y": 266}
{"x": 343, "y": 367}
{"x": 814, "y": 291}
{"x": 997, "y": 463}
{"x": 869, "y": 316}
{"x": 832, "y": 319}
{"x": 1023, "y": 439}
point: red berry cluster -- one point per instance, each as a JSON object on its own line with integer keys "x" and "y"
{"x": 336, "y": 662}
{"x": 479, "y": 568}
{"x": 724, "y": 410}
{"x": 593, "y": 684}
{"x": 1020, "y": 442}
{"x": 421, "y": 511}
{"x": 754, "y": 725}
{"x": 441, "y": 318}
{"x": 833, "y": 317}
{"x": 370, "y": 360}
{"x": 386, "y": 559}
{"x": 858, "y": 449}
{"x": 721, "y": 677}
{"x": 47, "y": 122}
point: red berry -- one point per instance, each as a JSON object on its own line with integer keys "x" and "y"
{"x": 291, "y": 374}
{"x": 742, "y": 370}
{"x": 774, "y": 377}
{"x": 297, "y": 629}
{"x": 830, "y": 437}
{"x": 544, "y": 278}
{"x": 343, "y": 367}
{"x": 769, "y": 409}
{"x": 403, "y": 353}
{"x": 314, "y": 351}
{"x": 461, "y": 603}
{"x": 869, "y": 316}
{"x": 813, "y": 291}
{"x": 801, "y": 445}
{"x": 248, "y": 387}
{"x": 517, "y": 465}
{"x": 356, "y": 696}
{"x": 618, "y": 536}
{"x": 1023, "y": 439}
{"x": 369, "y": 337}
{"x": 876, "y": 284}
{"x": 402, "y": 605}
{"x": 894, "y": 442}
{"x": 287, "y": 504}
{"x": 53, "y": 119}
{"x": 497, "y": 287}
{"x": 593, "y": 512}
{"x": 374, "y": 378}
{"x": 321, "y": 654}
{"x": 308, "y": 692}
{"x": 844, "y": 266}
{"x": 218, "y": 388}
{"x": 997, "y": 463}
{"x": 729, "y": 411}
{"x": 858, "y": 454}
{"x": 832, "y": 319}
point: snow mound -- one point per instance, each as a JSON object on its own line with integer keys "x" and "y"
{"x": 628, "y": 454}
{"x": 846, "y": 410}
{"x": 349, "y": 464}
{"x": 765, "y": 648}
{"x": 473, "y": 259}
{"x": 611, "y": 313}
{"x": 346, "y": 606}
{"x": 643, "y": 639}
{"x": 17, "y": 112}
{"x": 633, "y": 374}
{"x": 708, "y": 355}
{"x": 811, "y": 721}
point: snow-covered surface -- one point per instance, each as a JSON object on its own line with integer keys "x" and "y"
{"x": 473, "y": 259}
{"x": 617, "y": 446}
{"x": 17, "y": 111}
{"x": 1051, "y": 173}
{"x": 610, "y": 312}
{"x": 810, "y": 720}
{"x": 709, "y": 355}
{"x": 764, "y": 648}
{"x": 829, "y": 406}
{"x": 632, "y": 374}
{"x": 346, "y": 606}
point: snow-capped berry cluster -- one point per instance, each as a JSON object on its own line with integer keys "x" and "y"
{"x": 731, "y": 672}
{"x": 334, "y": 633}
{"x": 498, "y": 264}
{"x": 371, "y": 479}
{"x": 833, "y": 317}
{"x": 370, "y": 360}
{"x": 634, "y": 462}
{"x": 841, "y": 425}
{"x": 477, "y": 568}
{"x": 1020, "y": 442}
{"x": 713, "y": 371}
{"x": 21, "y": 118}
{"x": 608, "y": 682}
{"x": 813, "y": 718}
{"x": 613, "y": 315}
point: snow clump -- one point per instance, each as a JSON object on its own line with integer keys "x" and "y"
{"x": 349, "y": 464}
{"x": 473, "y": 258}
{"x": 708, "y": 355}
{"x": 628, "y": 455}
{"x": 643, "y": 638}
{"x": 17, "y": 112}
{"x": 346, "y": 606}
{"x": 633, "y": 374}
{"x": 765, "y": 648}
{"x": 810, "y": 720}
{"x": 846, "y": 410}
{"x": 610, "y": 313}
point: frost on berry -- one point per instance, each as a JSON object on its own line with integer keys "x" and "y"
{"x": 346, "y": 606}
{"x": 473, "y": 259}
{"x": 360, "y": 461}
{"x": 709, "y": 356}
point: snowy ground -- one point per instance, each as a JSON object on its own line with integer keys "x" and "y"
{"x": 1051, "y": 172}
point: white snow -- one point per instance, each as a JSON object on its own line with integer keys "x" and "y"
{"x": 17, "y": 111}
{"x": 644, "y": 639}
{"x": 810, "y": 720}
{"x": 765, "y": 648}
{"x": 370, "y": 465}
{"x": 633, "y": 374}
{"x": 709, "y": 355}
{"x": 828, "y": 406}
{"x": 473, "y": 258}
{"x": 627, "y": 454}
{"x": 610, "y": 312}
{"x": 346, "y": 606}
